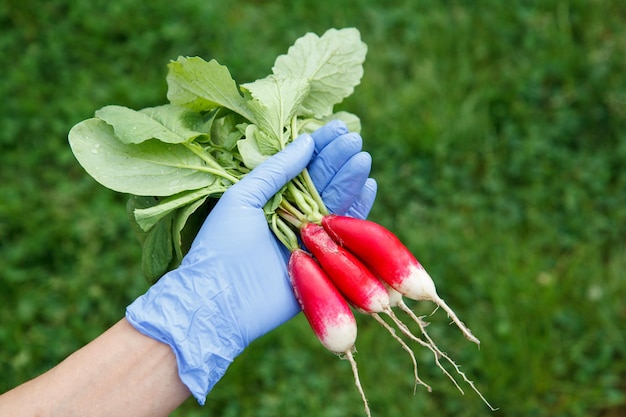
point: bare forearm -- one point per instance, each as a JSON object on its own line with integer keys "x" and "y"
{"x": 122, "y": 372}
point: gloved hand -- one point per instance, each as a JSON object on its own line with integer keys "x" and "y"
{"x": 232, "y": 286}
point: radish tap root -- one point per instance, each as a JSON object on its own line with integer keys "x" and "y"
{"x": 357, "y": 382}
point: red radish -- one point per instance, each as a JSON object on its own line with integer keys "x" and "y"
{"x": 327, "y": 312}
{"x": 324, "y": 307}
{"x": 390, "y": 259}
{"x": 350, "y": 276}
{"x": 366, "y": 292}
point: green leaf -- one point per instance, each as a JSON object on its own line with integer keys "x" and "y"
{"x": 165, "y": 244}
{"x": 147, "y": 217}
{"x": 332, "y": 63}
{"x": 138, "y": 202}
{"x": 274, "y": 202}
{"x": 249, "y": 148}
{"x": 275, "y": 102}
{"x": 200, "y": 85}
{"x": 168, "y": 123}
{"x": 179, "y": 120}
{"x": 224, "y": 132}
{"x": 157, "y": 249}
{"x": 266, "y": 143}
{"x": 149, "y": 168}
{"x": 185, "y": 228}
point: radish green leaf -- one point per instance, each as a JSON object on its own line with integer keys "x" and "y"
{"x": 148, "y": 168}
{"x": 275, "y": 102}
{"x": 167, "y": 123}
{"x": 200, "y": 85}
{"x": 331, "y": 63}
{"x": 174, "y": 160}
{"x": 147, "y": 217}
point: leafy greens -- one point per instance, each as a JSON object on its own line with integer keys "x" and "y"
{"x": 175, "y": 160}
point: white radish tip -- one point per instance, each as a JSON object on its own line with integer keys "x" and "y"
{"x": 418, "y": 285}
{"x": 422, "y": 287}
{"x": 340, "y": 335}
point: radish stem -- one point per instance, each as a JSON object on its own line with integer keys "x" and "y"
{"x": 214, "y": 167}
{"x": 292, "y": 210}
{"x": 288, "y": 217}
{"x": 308, "y": 182}
{"x": 284, "y": 233}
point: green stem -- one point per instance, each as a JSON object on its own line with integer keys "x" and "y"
{"x": 309, "y": 187}
{"x": 306, "y": 194}
{"x": 213, "y": 166}
{"x": 289, "y": 218}
{"x": 298, "y": 198}
{"x": 294, "y": 127}
{"x": 304, "y": 202}
{"x": 284, "y": 233}
{"x": 292, "y": 210}
{"x": 313, "y": 192}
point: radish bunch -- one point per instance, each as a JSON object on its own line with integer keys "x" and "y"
{"x": 176, "y": 159}
{"x": 348, "y": 262}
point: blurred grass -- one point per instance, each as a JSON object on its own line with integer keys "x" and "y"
{"x": 497, "y": 131}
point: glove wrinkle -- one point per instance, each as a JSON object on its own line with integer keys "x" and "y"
{"x": 198, "y": 320}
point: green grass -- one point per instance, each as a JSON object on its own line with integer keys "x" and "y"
{"x": 497, "y": 131}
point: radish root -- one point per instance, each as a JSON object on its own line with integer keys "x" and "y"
{"x": 466, "y": 331}
{"x": 357, "y": 381}
{"x": 418, "y": 380}
{"x": 433, "y": 347}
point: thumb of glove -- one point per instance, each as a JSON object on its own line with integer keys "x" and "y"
{"x": 257, "y": 187}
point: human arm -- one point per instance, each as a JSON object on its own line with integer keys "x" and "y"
{"x": 120, "y": 373}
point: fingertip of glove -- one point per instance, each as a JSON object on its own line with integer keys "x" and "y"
{"x": 354, "y": 138}
{"x": 371, "y": 185}
{"x": 363, "y": 204}
{"x": 303, "y": 138}
{"x": 338, "y": 126}
{"x": 327, "y": 133}
{"x": 304, "y": 141}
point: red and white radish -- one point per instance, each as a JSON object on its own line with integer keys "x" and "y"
{"x": 357, "y": 283}
{"x": 390, "y": 259}
{"x": 327, "y": 312}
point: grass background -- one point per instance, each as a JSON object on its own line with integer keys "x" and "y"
{"x": 498, "y": 133}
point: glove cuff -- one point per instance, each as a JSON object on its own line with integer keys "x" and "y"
{"x": 196, "y": 321}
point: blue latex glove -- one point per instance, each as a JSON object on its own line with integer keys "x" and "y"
{"x": 232, "y": 285}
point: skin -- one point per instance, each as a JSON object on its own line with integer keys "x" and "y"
{"x": 122, "y": 372}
